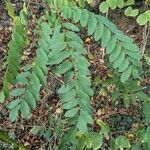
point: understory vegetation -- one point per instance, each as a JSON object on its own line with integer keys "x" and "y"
{"x": 75, "y": 81}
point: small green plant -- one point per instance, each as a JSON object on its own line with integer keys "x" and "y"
{"x": 142, "y": 19}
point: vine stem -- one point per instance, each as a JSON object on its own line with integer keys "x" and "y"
{"x": 146, "y": 33}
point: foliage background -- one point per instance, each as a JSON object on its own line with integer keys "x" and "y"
{"x": 45, "y": 127}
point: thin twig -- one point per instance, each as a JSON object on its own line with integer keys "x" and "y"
{"x": 28, "y": 4}
{"x": 107, "y": 13}
{"x": 145, "y": 37}
{"x": 57, "y": 78}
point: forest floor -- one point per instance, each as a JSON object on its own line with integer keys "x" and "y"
{"x": 49, "y": 106}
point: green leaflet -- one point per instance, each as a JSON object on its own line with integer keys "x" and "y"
{"x": 99, "y": 31}
{"x": 124, "y": 65}
{"x": 76, "y": 14}
{"x": 68, "y": 96}
{"x": 30, "y": 99}
{"x": 147, "y": 138}
{"x": 40, "y": 74}
{"x": 18, "y": 37}
{"x": 71, "y": 113}
{"x": 24, "y": 108}
{"x": 83, "y": 79}
{"x": 10, "y": 61}
{"x": 56, "y": 34}
{"x": 41, "y": 65}
{"x": 112, "y": 4}
{"x": 34, "y": 80}
{"x": 122, "y": 142}
{"x": 130, "y": 46}
{"x": 63, "y": 67}
{"x": 104, "y": 7}
{"x": 17, "y": 92}
{"x": 105, "y": 38}
{"x": 57, "y": 59}
{"x": 104, "y": 127}
{"x": 66, "y": 12}
{"x": 68, "y": 77}
{"x": 45, "y": 36}
{"x": 92, "y": 23}
{"x": 97, "y": 140}
{"x": 82, "y": 3}
{"x": 135, "y": 73}
{"x": 16, "y": 54}
{"x": 78, "y": 47}
{"x": 9, "y": 78}
{"x": 108, "y": 24}
{"x": 13, "y": 115}
{"x": 79, "y": 59}
{"x": 121, "y": 3}
{"x": 80, "y": 68}
{"x": 86, "y": 90}
{"x": 82, "y": 124}
{"x": 126, "y": 74}
{"x": 129, "y": 11}
{"x": 84, "y": 87}
{"x": 18, "y": 29}
{"x": 64, "y": 88}
{"x": 119, "y": 60}
{"x": 111, "y": 45}
{"x": 85, "y": 103}
{"x": 71, "y": 26}
{"x": 10, "y": 9}
{"x": 34, "y": 86}
{"x": 83, "y": 96}
{"x": 81, "y": 64}
{"x": 46, "y": 28}
{"x": 34, "y": 91}
{"x": 86, "y": 116}
{"x": 146, "y": 107}
{"x": 73, "y": 36}
{"x": 84, "y": 18}
{"x": 43, "y": 44}
{"x": 135, "y": 62}
{"x": 134, "y": 55}
{"x": 13, "y": 104}
{"x": 42, "y": 55}
{"x": 5, "y": 88}
{"x": 123, "y": 38}
{"x": 70, "y": 104}
{"x": 62, "y": 45}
